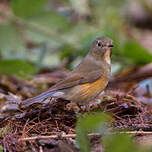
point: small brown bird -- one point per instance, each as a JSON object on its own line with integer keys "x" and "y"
{"x": 87, "y": 80}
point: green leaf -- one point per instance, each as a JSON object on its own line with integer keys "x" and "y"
{"x": 91, "y": 122}
{"x": 16, "y": 67}
{"x": 50, "y": 20}
{"x": 117, "y": 143}
{"x": 120, "y": 143}
{"x": 47, "y": 27}
{"x": 27, "y": 8}
{"x": 10, "y": 40}
{"x": 136, "y": 53}
{"x": 1, "y": 149}
{"x": 67, "y": 52}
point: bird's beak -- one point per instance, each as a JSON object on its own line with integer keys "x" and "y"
{"x": 110, "y": 45}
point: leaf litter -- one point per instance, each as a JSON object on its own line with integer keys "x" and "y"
{"x": 52, "y": 117}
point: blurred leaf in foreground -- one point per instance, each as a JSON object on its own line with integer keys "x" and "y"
{"x": 16, "y": 67}
{"x": 120, "y": 143}
{"x": 136, "y": 53}
{"x": 91, "y": 123}
{"x": 27, "y": 8}
{"x": 10, "y": 40}
{"x": 1, "y": 149}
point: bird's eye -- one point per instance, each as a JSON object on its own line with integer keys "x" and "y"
{"x": 99, "y": 44}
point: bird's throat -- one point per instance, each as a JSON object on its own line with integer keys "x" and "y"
{"x": 107, "y": 56}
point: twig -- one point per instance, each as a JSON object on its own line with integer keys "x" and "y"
{"x": 90, "y": 135}
{"x": 137, "y": 132}
{"x": 56, "y": 136}
{"x": 41, "y": 149}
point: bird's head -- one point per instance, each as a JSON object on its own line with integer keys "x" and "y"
{"x": 102, "y": 48}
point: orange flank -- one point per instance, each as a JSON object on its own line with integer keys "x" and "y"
{"x": 94, "y": 88}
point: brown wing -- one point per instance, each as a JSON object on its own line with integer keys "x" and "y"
{"x": 77, "y": 78}
{"x": 89, "y": 70}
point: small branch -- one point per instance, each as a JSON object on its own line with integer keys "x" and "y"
{"x": 90, "y": 135}
{"x": 137, "y": 132}
{"x": 41, "y": 149}
{"x": 56, "y": 136}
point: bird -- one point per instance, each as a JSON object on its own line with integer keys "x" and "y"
{"x": 86, "y": 81}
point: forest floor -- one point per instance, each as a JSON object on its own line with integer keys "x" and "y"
{"x": 50, "y": 124}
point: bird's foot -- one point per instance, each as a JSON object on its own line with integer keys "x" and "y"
{"x": 73, "y": 107}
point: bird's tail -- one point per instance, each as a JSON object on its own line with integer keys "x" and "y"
{"x": 37, "y": 99}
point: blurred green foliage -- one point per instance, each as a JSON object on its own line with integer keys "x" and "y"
{"x": 10, "y": 40}
{"x": 112, "y": 142}
{"x": 1, "y": 149}
{"x": 67, "y": 28}
{"x": 27, "y": 8}
{"x": 17, "y": 67}
{"x": 91, "y": 123}
{"x": 121, "y": 143}
{"x": 136, "y": 53}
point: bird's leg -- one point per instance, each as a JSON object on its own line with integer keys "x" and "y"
{"x": 73, "y": 106}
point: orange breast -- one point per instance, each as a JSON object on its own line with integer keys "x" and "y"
{"x": 92, "y": 89}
